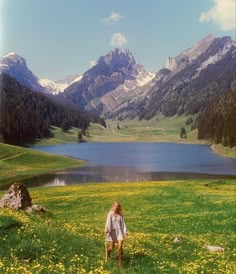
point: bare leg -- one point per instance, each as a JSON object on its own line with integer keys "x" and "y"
{"x": 110, "y": 249}
{"x": 120, "y": 252}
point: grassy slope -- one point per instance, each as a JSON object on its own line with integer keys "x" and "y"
{"x": 59, "y": 137}
{"x": 163, "y": 130}
{"x": 70, "y": 239}
{"x": 17, "y": 163}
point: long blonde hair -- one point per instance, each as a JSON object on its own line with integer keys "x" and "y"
{"x": 119, "y": 211}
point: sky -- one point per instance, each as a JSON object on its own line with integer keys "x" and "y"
{"x": 66, "y": 37}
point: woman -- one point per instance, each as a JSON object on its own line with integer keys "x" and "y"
{"x": 115, "y": 230}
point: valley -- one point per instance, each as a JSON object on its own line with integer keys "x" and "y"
{"x": 117, "y": 88}
{"x": 117, "y": 101}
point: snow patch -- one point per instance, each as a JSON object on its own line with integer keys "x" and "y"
{"x": 13, "y": 57}
{"x": 10, "y": 54}
{"x": 144, "y": 79}
{"x": 56, "y": 87}
{"x": 77, "y": 79}
{"x": 213, "y": 59}
{"x": 4, "y": 65}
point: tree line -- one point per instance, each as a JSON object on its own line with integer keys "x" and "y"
{"x": 218, "y": 122}
{"x": 26, "y": 115}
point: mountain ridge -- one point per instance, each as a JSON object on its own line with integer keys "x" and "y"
{"x": 115, "y": 71}
{"x": 16, "y": 66}
{"x": 191, "y": 88}
{"x": 117, "y": 87}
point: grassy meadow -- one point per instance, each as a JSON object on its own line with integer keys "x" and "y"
{"x": 58, "y": 137}
{"x": 69, "y": 238}
{"x": 159, "y": 129}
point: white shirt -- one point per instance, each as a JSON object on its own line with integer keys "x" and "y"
{"x": 115, "y": 227}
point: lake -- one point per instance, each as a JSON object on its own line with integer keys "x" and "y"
{"x": 124, "y": 162}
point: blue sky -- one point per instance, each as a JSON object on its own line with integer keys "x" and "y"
{"x": 63, "y": 37}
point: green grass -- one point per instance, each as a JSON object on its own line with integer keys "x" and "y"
{"x": 70, "y": 237}
{"x": 17, "y": 163}
{"x": 161, "y": 130}
{"x": 59, "y": 137}
{"x": 225, "y": 151}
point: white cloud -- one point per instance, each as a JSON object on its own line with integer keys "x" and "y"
{"x": 118, "y": 40}
{"x": 222, "y": 14}
{"x": 92, "y": 63}
{"x": 113, "y": 18}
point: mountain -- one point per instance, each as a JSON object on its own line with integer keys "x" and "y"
{"x": 15, "y": 66}
{"x": 114, "y": 79}
{"x": 56, "y": 87}
{"x": 117, "y": 87}
{"x": 187, "y": 56}
{"x": 189, "y": 82}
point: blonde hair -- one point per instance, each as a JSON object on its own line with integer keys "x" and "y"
{"x": 119, "y": 207}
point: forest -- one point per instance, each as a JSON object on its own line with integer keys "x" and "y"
{"x": 26, "y": 115}
{"x": 218, "y": 122}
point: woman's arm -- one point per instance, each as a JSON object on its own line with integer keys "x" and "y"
{"x": 125, "y": 230}
{"x": 108, "y": 223}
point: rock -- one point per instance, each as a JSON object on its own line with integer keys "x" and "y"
{"x": 16, "y": 198}
{"x": 29, "y": 209}
{"x": 177, "y": 239}
{"x": 213, "y": 248}
{"x": 38, "y": 208}
{"x": 35, "y": 208}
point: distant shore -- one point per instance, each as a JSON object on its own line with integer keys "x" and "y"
{"x": 166, "y": 130}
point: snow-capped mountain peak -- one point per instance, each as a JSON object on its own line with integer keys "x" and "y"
{"x": 15, "y": 66}
{"x": 52, "y": 86}
{"x": 56, "y": 87}
{"x": 12, "y": 58}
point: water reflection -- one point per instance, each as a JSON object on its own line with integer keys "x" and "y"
{"x": 87, "y": 174}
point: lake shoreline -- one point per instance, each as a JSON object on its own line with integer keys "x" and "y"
{"x": 133, "y": 131}
{"x": 18, "y": 163}
{"x": 219, "y": 149}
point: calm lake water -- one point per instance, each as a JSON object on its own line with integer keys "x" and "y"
{"x": 123, "y": 162}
